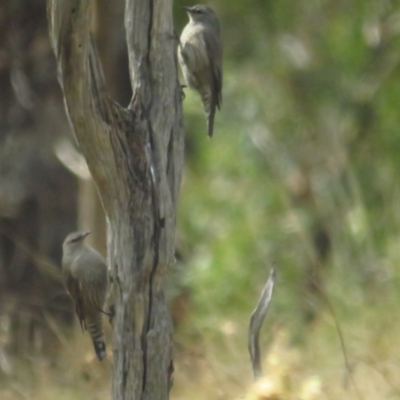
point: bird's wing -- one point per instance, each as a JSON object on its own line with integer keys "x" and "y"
{"x": 75, "y": 291}
{"x": 91, "y": 271}
{"x": 192, "y": 48}
{"x": 214, "y": 52}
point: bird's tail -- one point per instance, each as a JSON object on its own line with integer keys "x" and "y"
{"x": 209, "y": 104}
{"x": 96, "y": 333}
{"x": 100, "y": 349}
{"x": 210, "y": 120}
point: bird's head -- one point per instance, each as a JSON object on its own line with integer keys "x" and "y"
{"x": 74, "y": 240}
{"x": 202, "y": 13}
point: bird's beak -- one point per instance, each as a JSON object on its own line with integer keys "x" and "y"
{"x": 85, "y": 234}
{"x": 187, "y": 9}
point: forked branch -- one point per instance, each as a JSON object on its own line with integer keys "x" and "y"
{"x": 135, "y": 156}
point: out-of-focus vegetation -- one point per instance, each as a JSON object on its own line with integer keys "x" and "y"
{"x": 302, "y": 170}
{"x": 306, "y": 147}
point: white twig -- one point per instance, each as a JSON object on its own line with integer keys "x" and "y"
{"x": 256, "y": 321}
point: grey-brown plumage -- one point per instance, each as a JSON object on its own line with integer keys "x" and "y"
{"x": 200, "y": 56}
{"x": 85, "y": 278}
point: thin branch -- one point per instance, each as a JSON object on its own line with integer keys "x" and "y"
{"x": 256, "y": 321}
{"x": 44, "y": 264}
{"x": 55, "y": 327}
{"x": 349, "y": 369}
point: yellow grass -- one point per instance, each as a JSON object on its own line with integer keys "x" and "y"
{"x": 216, "y": 365}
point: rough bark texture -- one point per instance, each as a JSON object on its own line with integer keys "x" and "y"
{"x": 135, "y": 156}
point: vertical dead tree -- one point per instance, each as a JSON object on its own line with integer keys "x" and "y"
{"x": 135, "y": 156}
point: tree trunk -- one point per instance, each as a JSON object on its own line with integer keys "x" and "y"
{"x": 135, "y": 156}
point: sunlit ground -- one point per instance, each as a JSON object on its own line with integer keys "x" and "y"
{"x": 314, "y": 369}
{"x": 215, "y": 364}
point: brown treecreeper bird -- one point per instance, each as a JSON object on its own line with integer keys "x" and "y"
{"x": 200, "y": 57}
{"x": 85, "y": 278}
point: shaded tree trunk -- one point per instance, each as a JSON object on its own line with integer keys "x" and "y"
{"x": 37, "y": 194}
{"x": 135, "y": 156}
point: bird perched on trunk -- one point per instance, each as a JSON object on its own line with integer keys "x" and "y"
{"x": 85, "y": 278}
{"x": 200, "y": 56}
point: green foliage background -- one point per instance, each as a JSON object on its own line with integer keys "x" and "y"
{"x": 306, "y": 144}
{"x": 302, "y": 171}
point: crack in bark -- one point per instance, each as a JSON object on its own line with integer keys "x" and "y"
{"x": 95, "y": 85}
{"x": 124, "y": 375}
{"x": 156, "y": 246}
{"x": 150, "y": 30}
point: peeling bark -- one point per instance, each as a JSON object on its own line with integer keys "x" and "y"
{"x": 135, "y": 156}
